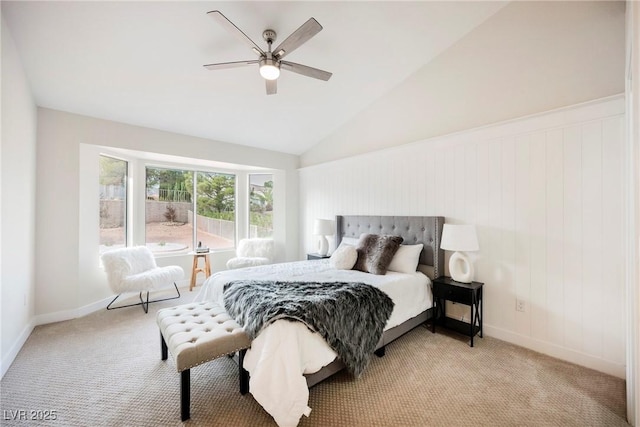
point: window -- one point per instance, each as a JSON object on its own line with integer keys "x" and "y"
{"x": 216, "y": 210}
{"x": 113, "y": 203}
{"x": 260, "y": 205}
{"x": 172, "y": 195}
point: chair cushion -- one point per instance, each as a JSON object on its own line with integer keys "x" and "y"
{"x": 126, "y": 261}
{"x": 155, "y": 278}
{"x": 241, "y": 262}
{"x": 134, "y": 269}
{"x": 256, "y": 248}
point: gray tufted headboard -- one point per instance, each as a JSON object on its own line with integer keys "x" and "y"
{"x": 413, "y": 229}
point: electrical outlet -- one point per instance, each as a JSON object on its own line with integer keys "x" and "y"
{"x": 521, "y": 305}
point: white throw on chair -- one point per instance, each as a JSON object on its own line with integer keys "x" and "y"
{"x": 135, "y": 270}
{"x": 252, "y": 252}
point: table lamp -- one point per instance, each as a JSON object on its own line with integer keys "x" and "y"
{"x": 461, "y": 239}
{"x": 323, "y": 228}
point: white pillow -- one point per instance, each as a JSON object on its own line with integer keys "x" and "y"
{"x": 406, "y": 258}
{"x": 353, "y": 241}
{"x": 344, "y": 258}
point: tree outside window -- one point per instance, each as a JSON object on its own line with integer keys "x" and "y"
{"x": 261, "y": 205}
{"x": 113, "y": 203}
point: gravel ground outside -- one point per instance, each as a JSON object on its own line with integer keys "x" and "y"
{"x": 166, "y": 237}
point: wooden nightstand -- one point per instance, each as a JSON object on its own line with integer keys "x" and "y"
{"x": 317, "y": 256}
{"x": 446, "y": 289}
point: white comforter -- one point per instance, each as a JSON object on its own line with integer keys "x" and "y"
{"x": 284, "y": 351}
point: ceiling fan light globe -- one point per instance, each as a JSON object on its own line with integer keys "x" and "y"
{"x": 269, "y": 72}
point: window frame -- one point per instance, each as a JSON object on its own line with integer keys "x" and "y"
{"x": 137, "y": 161}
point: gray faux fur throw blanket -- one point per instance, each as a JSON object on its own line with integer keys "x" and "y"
{"x": 349, "y": 316}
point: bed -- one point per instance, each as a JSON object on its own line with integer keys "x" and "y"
{"x": 286, "y": 358}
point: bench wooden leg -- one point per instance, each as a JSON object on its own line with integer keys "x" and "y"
{"x": 163, "y": 348}
{"x": 380, "y": 352}
{"x": 185, "y": 394}
{"x": 243, "y": 373}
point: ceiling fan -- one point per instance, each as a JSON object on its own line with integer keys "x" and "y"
{"x": 271, "y": 62}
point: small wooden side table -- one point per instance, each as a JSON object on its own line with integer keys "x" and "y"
{"x": 196, "y": 269}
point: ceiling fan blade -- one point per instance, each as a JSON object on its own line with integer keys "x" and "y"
{"x": 305, "y": 71}
{"x": 236, "y": 64}
{"x": 272, "y": 86}
{"x": 230, "y": 26}
{"x": 297, "y": 38}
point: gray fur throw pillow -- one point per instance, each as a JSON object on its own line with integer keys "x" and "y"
{"x": 375, "y": 253}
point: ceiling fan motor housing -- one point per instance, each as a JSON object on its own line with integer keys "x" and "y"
{"x": 269, "y": 36}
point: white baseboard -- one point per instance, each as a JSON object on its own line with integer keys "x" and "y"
{"x": 562, "y": 353}
{"x": 43, "y": 319}
{"x": 59, "y": 316}
{"x": 74, "y": 313}
{"x": 16, "y": 347}
{"x": 559, "y": 352}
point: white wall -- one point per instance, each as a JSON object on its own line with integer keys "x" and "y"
{"x": 17, "y": 186}
{"x": 632, "y": 197}
{"x": 546, "y": 195}
{"x": 529, "y": 57}
{"x": 69, "y": 281}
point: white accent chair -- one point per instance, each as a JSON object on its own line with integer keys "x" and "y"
{"x": 134, "y": 269}
{"x": 253, "y": 252}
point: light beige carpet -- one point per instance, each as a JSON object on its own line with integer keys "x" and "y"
{"x": 105, "y": 370}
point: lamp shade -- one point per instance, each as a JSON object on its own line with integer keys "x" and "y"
{"x": 323, "y": 227}
{"x": 462, "y": 238}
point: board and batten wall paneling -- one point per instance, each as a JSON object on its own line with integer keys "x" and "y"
{"x": 572, "y": 273}
{"x": 545, "y": 193}
{"x": 554, "y": 215}
{"x": 523, "y": 232}
{"x": 612, "y": 252}
{"x": 538, "y": 235}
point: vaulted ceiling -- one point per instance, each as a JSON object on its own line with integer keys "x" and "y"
{"x": 142, "y": 62}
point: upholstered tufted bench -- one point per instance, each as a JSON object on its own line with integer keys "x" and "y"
{"x": 197, "y": 333}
